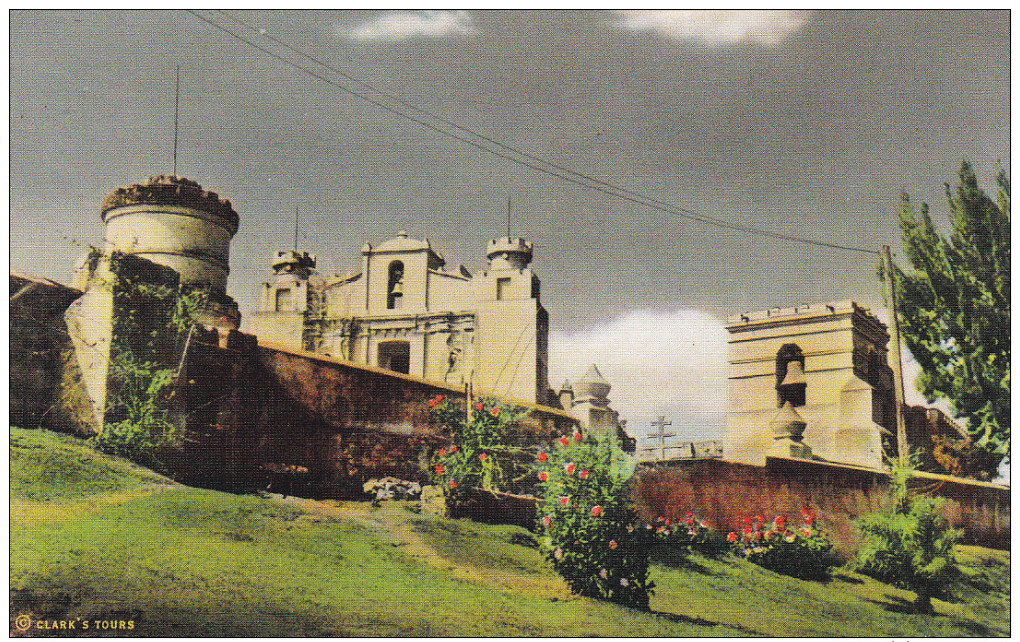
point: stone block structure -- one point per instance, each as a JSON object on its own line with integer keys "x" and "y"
{"x": 821, "y": 371}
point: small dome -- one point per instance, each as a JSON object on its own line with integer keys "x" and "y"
{"x": 592, "y": 384}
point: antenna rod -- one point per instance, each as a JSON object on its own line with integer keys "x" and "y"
{"x": 507, "y": 217}
{"x": 295, "y": 227}
{"x": 177, "y": 99}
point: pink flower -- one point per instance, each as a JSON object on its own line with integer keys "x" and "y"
{"x": 495, "y": 412}
{"x": 577, "y": 437}
{"x": 583, "y": 474}
{"x": 660, "y": 519}
{"x": 558, "y": 553}
{"x": 703, "y": 525}
{"x": 483, "y": 456}
{"x": 624, "y": 581}
{"x": 564, "y": 501}
{"x": 604, "y": 574}
{"x": 596, "y": 511}
{"x": 564, "y": 441}
{"x": 543, "y": 476}
{"x": 546, "y": 520}
{"x": 732, "y": 537}
{"x": 570, "y": 468}
{"x": 440, "y": 469}
{"x": 542, "y": 457}
{"x": 453, "y": 483}
{"x": 613, "y": 544}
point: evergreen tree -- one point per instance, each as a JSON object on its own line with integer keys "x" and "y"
{"x": 954, "y": 309}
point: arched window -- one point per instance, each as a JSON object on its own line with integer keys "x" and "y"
{"x": 790, "y": 383}
{"x": 395, "y": 286}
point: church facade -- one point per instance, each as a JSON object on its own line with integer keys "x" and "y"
{"x": 406, "y": 312}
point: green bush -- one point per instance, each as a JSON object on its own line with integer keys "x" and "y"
{"x": 673, "y": 540}
{"x": 908, "y": 544}
{"x": 589, "y": 528}
{"x": 804, "y": 552}
{"x": 482, "y": 455}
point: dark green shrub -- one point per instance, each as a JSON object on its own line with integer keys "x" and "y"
{"x": 588, "y": 524}
{"x": 908, "y": 544}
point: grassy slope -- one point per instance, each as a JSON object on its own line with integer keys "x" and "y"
{"x": 96, "y": 537}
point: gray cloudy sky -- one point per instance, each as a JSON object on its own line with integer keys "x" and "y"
{"x": 804, "y": 123}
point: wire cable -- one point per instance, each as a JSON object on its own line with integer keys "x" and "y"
{"x": 502, "y": 150}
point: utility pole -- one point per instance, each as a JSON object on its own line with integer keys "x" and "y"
{"x": 897, "y": 361}
{"x": 661, "y": 435}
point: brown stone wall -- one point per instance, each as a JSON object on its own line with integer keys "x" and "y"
{"x": 723, "y": 493}
{"x": 39, "y": 346}
{"x": 301, "y": 423}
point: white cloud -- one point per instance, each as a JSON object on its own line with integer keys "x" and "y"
{"x": 670, "y": 363}
{"x": 717, "y": 27}
{"x": 403, "y": 25}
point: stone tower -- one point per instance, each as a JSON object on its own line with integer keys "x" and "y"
{"x": 810, "y": 380}
{"x": 182, "y": 233}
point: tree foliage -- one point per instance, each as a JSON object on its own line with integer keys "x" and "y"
{"x": 908, "y": 544}
{"x": 954, "y": 307}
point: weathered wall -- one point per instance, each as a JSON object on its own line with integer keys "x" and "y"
{"x": 723, "y": 493}
{"x": 39, "y": 345}
{"x": 253, "y": 412}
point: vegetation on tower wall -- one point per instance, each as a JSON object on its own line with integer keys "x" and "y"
{"x": 152, "y": 315}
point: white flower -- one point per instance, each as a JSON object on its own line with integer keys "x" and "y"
{"x": 604, "y": 574}
{"x": 624, "y": 581}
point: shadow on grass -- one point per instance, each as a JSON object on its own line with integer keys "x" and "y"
{"x": 697, "y": 621}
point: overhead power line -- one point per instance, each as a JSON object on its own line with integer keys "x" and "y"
{"x": 480, "y": 141}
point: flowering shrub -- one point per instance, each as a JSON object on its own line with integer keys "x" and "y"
{"x": 482, "y": 454}
{"x": 589, "y": 532}
{"x": 802, "y": 552}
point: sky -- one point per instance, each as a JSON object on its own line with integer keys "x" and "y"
{"x": 808, "y": 124}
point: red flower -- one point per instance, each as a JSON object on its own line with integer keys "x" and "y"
{"x": 564, "y": 441}
{"x": 453, "y": 483}
{"x": 689, "y": 514}
{"x": 583, "y": 474}
{"x": 546, "y": 520}
{"x": 432, "y": 403}
{"x": 690, "y": 521}
{"x": 542, "y": 457}
{"x": 809, "y": 519}
{"x": 661, "y": 518}
{"x": 439, "y": 398}
{"x": 747, "y": 521}
{"x": 732, "y": 537}
{"x": 442, "y": 452}
{"x": 439, "y": 469}
{"x": 495, "y": 412}
{"x": 781, "y": 521}
{"x": 453, "y": 449}
{"x": 570, "y": 468}
{"x": 577, "y": 437}
{"x": 760, "y": 519}
{"x": 747, "y": 530}
{"x": 479, "y": 405}
{"x": 564, "y": 501}
{"x": 613, "y": 544}
{"x": 482, "y": 456}
{"x": 596, "y": 511}
{"x": 804, "y": 512}
{"x": 543, "y": 476}
{"x": 805, "y": 532}
{"x": 757, "y": 535}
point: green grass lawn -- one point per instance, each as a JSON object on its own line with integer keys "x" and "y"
{"x": 97, "y": 538}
